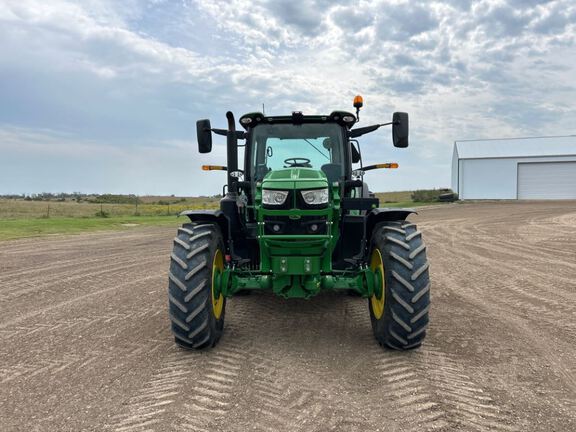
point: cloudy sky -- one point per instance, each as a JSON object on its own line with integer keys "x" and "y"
{"x": 103, "y": 95}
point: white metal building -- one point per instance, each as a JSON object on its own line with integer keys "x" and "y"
{"x": 520, "y": 168}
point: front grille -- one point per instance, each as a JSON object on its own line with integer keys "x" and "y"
{"x": 306, "y": 225}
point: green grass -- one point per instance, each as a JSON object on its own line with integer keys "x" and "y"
{"x": 33, "y": 227}
{"x": 400, "y": 199}
{"x": 20, "y": 218}
{"x": 387, "y": 198}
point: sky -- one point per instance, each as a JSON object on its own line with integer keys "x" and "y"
{"x": 102, "y": 96}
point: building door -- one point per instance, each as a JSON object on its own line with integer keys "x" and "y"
{"x": 547, "y": 180}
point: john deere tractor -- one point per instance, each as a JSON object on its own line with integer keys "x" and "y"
{"x": 298, "y": 219}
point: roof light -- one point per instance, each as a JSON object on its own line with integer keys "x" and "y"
{"x": 245, "y": 120}
{"x": 297, "y": 117}
{"x": 358, "y": 101}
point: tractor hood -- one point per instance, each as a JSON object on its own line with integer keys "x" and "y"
{"x": 295, "y": 178}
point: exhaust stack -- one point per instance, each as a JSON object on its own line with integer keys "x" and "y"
{"x": 232, "y": 154}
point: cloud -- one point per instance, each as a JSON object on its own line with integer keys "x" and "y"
{"x": 403, "y": 21}
{"x": 129, "y": 78}
{"x": 351, "y": 19}
{"x": 305, "y": 16}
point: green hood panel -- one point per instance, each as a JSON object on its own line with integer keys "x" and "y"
{"x": 295, "y": 178}
{"x": 295, "y": 174}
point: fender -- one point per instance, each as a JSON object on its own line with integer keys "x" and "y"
{"x": 211, "y": 216}
{"x": 379, "y": 215}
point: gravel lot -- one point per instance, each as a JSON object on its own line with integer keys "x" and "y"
{"x": 85, "y": 341}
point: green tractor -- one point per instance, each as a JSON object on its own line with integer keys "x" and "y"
{"x": 299, "y": 220}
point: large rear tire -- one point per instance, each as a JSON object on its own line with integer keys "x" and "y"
{"x": 400, "y": 317}
{"x": 197, "y": 316}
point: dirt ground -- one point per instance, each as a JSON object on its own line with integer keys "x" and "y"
{"x": 85, "y": 341}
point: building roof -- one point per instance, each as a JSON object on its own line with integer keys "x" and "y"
{"x": 516, "y": 147}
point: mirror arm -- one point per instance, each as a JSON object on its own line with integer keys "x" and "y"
{"x": 224, "y": 132}
{"x": 354, "y": 133}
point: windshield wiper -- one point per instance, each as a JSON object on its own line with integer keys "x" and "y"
{"x": 317, "y": 149}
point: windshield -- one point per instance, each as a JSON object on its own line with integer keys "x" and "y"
{"x": 312, "y": 145}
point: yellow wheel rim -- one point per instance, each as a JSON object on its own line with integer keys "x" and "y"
{"x": 377, "y": 266}
{"x": 217, "y": 268}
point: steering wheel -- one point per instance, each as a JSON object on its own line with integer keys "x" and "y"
{"x": 297, "y": 162}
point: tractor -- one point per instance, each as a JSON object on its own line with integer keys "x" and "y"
{"x": 298, "y": 220}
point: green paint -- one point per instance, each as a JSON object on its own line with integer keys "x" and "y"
{"x": 298, "y": 266}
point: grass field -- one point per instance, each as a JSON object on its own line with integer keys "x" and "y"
{"x": 10, "y": 209}
{"x": 22, "y": 218}
{"x": 399, "y": 199}
{"x": 29, "y": 227}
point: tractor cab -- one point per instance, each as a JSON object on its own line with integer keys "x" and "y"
{"x": 315, "y": 142}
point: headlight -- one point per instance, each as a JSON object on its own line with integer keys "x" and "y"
{"x": 274, "y": 197}
{"x": 316, "y": 196}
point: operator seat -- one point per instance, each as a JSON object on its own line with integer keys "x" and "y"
{"x": 333, "y": 172}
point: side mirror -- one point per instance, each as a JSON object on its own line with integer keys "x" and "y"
{"x": 400, "y": 129}
{"x": 355, "y": 153}
{"x": 204, "y": 135}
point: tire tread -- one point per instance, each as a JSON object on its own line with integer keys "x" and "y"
{"x": 189, "y": 287}
{"x": 404, "y": 323}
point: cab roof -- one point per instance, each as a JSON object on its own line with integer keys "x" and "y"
{"x": 342, "y": 118}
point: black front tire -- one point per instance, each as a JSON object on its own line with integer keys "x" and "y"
{"x": 194, "y": 323}
{"x": 403, "y": 324}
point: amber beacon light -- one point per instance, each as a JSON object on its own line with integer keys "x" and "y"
{"x": 358, "y": 103}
